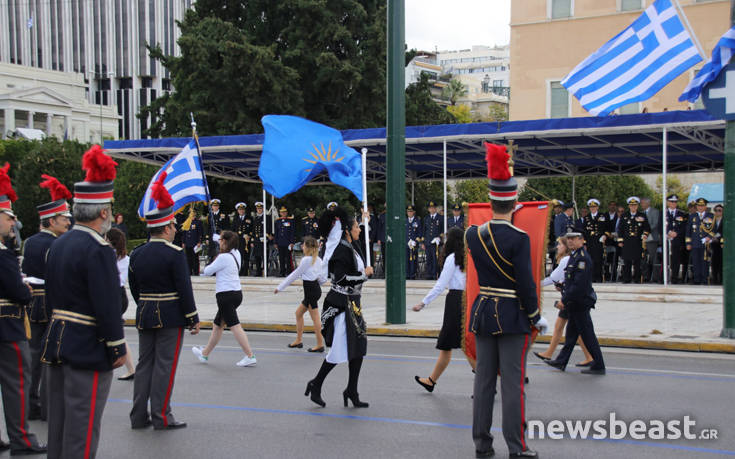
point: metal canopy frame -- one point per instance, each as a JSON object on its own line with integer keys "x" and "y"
{"x": 624, "y": 144}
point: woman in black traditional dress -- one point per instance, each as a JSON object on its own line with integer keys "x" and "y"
{"x": 343, "y": 326}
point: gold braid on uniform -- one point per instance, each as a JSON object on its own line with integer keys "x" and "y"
{"x": 186, "y": 226}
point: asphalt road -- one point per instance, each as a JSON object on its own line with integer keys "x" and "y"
{"x": 261, "y": 411}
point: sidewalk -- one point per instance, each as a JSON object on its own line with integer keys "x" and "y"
{"x": 679, "y": 317}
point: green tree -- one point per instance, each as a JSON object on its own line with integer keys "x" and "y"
{"x": 454, "y": 90}
{"x": 498, "y": 112}
{"x": 421, "y": 108}
{"x": 673, "y": 186}
{"x": 461, "y": 113}
{"x": 605, "y": 188}
{"x": 473, "y": 190}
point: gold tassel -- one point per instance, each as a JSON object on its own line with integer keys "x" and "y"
{"x": 26, "y": 324}
{"x": 186, "y": 226}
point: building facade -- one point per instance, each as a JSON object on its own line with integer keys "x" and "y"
{"x": 104, "y": 41}
{"x": 550, "y": 37}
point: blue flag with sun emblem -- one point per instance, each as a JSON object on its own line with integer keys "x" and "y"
{"x": 296, "y": 150}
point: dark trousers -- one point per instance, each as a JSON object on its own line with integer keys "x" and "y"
{"x": 15, "y": 371}
{"x": 595, "y": 248}
{"x": 580, "y": 324}
{"x": 212, "y": 250}
{"x": 432, "y": 262}
{"x": 285, "y": 263}
{"x": 256, "y": 252}
{"x": 505, "y": 354}
{"x": 37, "y": 389}
{"x": 651, "y": 251}
{"x": 154, "y": 375}
{"x": 412, "y": 259}
{"x": 245, "y": 254}
{"x": 73, "y": 430}
{"x": 699, "y": 266}
{"x": 716, "y": 264}
{"x": 635, "y": 266}
{"x": 192, "y": 259}
{"x": 676, "y": 263}
{"x": 611, "y": 264}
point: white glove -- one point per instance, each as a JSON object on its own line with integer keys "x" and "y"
{"x": 411, "y": 244}
{"x": 704, "y": 240}
{"x": 436, "y": 241}
{"x": 602, "y": 238}
{"x": 542, "y": 325}
{"x": 290, "y": 247}
{"x": 215, "y": 237}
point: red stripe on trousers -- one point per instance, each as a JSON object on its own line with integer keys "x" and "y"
{"x": 22, "y": 397}
{"x": 90, "y": 424}
{"x": 523, "y": 381}
{"x": 171, "y": 379}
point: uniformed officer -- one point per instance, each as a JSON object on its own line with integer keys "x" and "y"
{"x": 699, "y": 235}
{"x": 676, "y": 228}
{"x": 433, "y": 233}
{"x": 161, "y": 287}
{"x": 716, "y": 245}
{"x": 192, "y": 238}
{"x": 310, "y": 224}
{"x": 596, "y": 231}
{"x": 258, "y": 238}
{"x": 633, "y": 229}
{"x": 85, "y": 339}
{"x": 55, "y": 221}
{"x": 502, "y": 314}
{"x": 15, "y": 359}
{"x": 242, "y": 225}
{"x": 564, "y": 219}
{"x": 414, "y": 233}
{"x": 457, "y": 219}
{"x": 611, "y": 245}
{"x": 577, "y": 298}
{"x": 284, "y": 238}
{"x": 332, "y": 205}
{"x": 221, "y": 223}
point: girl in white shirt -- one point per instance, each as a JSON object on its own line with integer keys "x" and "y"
{"x": 557, "y": 278}
{"x": 119, "y": 243}
{"x": 454, "y": 278}
{"x": 311, "y": 273}
{"x": 226, "y": 268}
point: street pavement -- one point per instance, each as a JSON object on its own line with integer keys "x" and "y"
{"x": 261, "y": 412}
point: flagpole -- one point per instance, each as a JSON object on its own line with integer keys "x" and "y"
{"x": 265, "y": 239}
{"x": 364, "y": 207}
{"x": 691, "y": 31}
{"x": 210, "y": 219}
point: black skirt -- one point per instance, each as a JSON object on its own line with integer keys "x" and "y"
{"x": 450, "y": 336}
{"x": 312, "y": 293}
{"x": 355, "y": 325}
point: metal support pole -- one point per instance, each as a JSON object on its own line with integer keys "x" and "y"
{"x": 265, "y": 238}
{"x": 395, "y": 219}
{"x": 445, "y": 189}
{"x": 413, "y": 193}
{"x": 574, "y": 195}
{"x": 364, "y": 207}
{"x": 728, "y": 226}
{"x": 664, "y": 237}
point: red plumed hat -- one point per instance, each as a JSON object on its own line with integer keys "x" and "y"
{"x": 6, "y": 188}
{"x": 503, "y": 187}
{"x": 57, "y": 189}
{"x": 160, "y": 194}
{"x": 99, "y": 166}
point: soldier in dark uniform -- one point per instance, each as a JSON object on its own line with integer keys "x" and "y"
{"x": 258, "y": 239}
{"x": 596, "y": 233}
{"x": 160, "y": 284}
{"x": 85, "y": 339}
{"x": 332, "y": 205}
{"x": 55, "y": 221}
{"x": 611, "y": 245}
{"x": 310, "y": 224}
{"x": 192, "y": 238}
{"x": 577, "y": 298}
{"x": 676, "y": 223}
{"x": 433, "y": 232}
{"x": 457, "y": 219}
{"x": 242, "y": 225}
{"x": 564, "y": 220}
{"x": 502, "y": 314}
{"x": 633, "y": 229}
{"x": 716, "y": 245}
{"x": 414, "y": 234}
{"x": 699, "y": 235}
{"x": 221, "y": 223}
{"x": 284, "y": 238}
{"x": 15, "y": 357}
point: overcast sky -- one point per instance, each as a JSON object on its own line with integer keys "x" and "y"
{"x": 456, "y": 24}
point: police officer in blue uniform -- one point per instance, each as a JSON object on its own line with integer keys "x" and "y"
{"x": 633, "y": 229}
{"x": 502, "y": 314}
{"x": 85, "y": 339}
{"x": 242, "y": 225}
{"x": 433, "y": 232}
{"x": 698, "y": 237}
{"x": 676, "y": 229}
{"x": 15, "y": 359}
{"x": 414, "y": 233}
{"x": 192, "y": 239}
{"x": 221, "y": 222}
{"x": 284, "y": 238}
{"x": 596, "y": 231}
{"x": 258, "y": 239}
{"x": 310, "y": 224}
{"x": 457, "y": 219}
{"x": 161, "y": 288}
{"x": 55, "y": 221}
{"x": 577, "y": 298}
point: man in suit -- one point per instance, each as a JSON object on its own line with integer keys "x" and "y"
{"x": 653, "y": 241}
{"x": 676, "y": 223}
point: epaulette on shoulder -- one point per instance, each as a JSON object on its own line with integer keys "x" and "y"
{"x": 95, "y": 235}
{"x": 304, "y": 218}
{"x": 504, "y": 222}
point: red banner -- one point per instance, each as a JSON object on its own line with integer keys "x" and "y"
{"x": 533, "y": 218}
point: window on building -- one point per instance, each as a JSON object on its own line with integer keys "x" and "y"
{"x": 630, "y": 109}
{"x": 561, "y": 9}
{"x": 558, "y": 100}
{"x": 497, "y": 83}
{"x": 631, "y": 5}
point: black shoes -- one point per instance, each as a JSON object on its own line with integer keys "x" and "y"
{"x": 31, "y": 450}
{"x": 488, "y": 453}
{"x": 593, "y": 371}
{"x": 298, "y": 346}
{"x": 584, "y": 365}
{"x": 316, "y": 393}
{"x": 538, "y": 354}
{"x": 127, "y": 377}
{"x": 4, "y": 445}
{"x": 147, "y": 423}
{"x": 316, "y": 349}
{"x": 355, "y": 399}
{"x": 556, "y": 364}
{"x": 429, "y": 388}
{"x": 171, "y": 426}
{"x": 526, "y": 453}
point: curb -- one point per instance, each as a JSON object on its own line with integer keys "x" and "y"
{"x": 632, "y": 343}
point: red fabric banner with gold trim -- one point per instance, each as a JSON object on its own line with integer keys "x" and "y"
{"x": 533, "y": 218}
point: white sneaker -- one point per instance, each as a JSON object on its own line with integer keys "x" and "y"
{"x": 197, "y": 350}
{"x": 247, "y": 361}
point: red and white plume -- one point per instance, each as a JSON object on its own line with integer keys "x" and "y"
{"x": 497, "y": 157}
{"x": 6, "y": 188}
{"x": 160, "y": 194}
{"x": 56, "y": 188}
{"x": 99, "y": 166}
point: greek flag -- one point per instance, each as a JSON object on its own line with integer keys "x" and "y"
{"x": 184, "y": 181}
{"x": 721, "y": 56}
{"x": 636, "y": 63}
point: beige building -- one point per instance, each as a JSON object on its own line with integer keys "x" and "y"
{"x": 550, "y": 37}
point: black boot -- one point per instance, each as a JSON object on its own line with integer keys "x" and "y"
{"x": 314, "y": 387}
{"x": 351, "y": 392}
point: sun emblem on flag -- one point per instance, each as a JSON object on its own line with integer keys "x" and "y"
{"x": 323, "y": 154}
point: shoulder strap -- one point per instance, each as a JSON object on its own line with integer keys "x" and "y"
{"x": 485, "y": 236}
{"x": 236, "y": 263}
